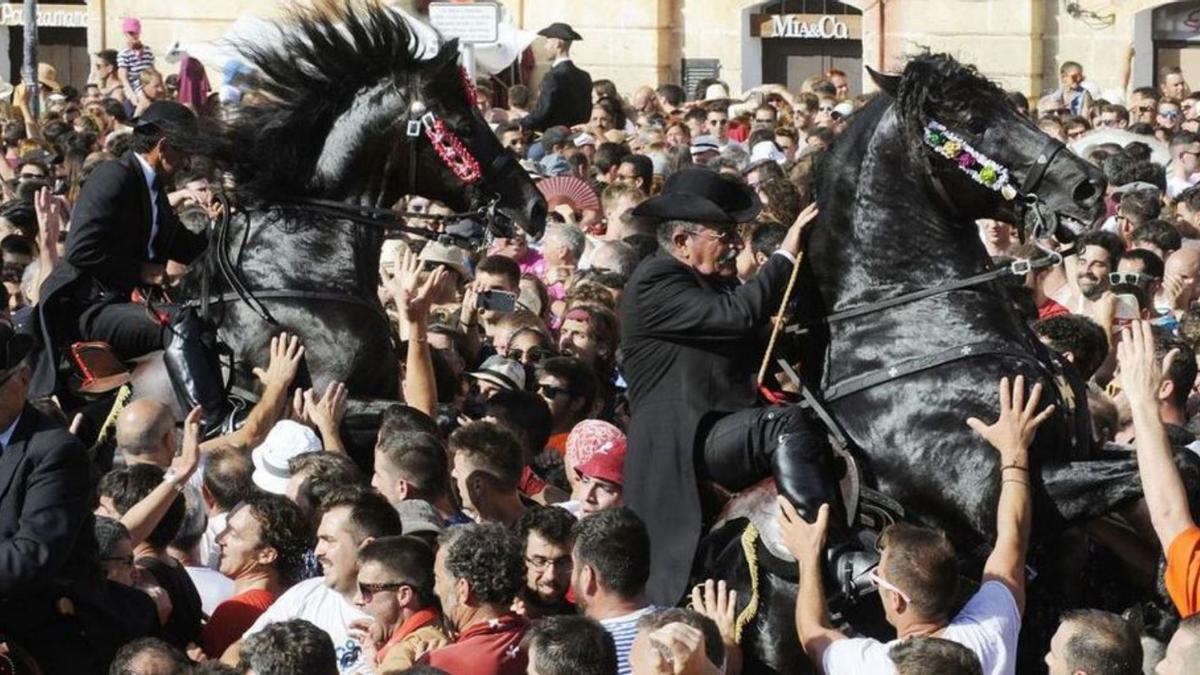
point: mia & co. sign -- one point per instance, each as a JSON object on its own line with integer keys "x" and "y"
{"x": 807, "y": 26}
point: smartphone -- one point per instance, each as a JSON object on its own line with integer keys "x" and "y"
{"x": 497, "y": 301}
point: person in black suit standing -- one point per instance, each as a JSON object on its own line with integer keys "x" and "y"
{"x": 52, "y": 598}
{"x": 565, "y": 98}
{"x": 123, "y": 232}
{"x": 690, "y": 358}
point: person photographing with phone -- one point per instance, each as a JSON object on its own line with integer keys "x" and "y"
{"x": 493, "y": 293}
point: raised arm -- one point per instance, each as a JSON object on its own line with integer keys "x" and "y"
{"x": 807, "y": 544}
{"x": 1011, "y": 435}
{"x": 414, "y": 299}
{"x": 1141, "y": 378}
{"x": 144, "y": 516}
{"x": 286, "y": 354}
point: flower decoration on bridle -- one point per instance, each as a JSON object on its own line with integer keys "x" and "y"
{"x": 450, "y": 148}
{"x": 469, "y": 88}
{"x": 978, "y": 166}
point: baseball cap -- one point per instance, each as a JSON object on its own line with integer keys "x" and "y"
{"x": 583, "y": 138}
{"x": 287, "y": 439}
{"x": 131, "y": 25}
{"x": 842, "y": 109}
{"x": 502, "y": 372}
{"x": 555, "y": 164}
{"x": 705, "y": 143}
{"x": 597, "y": 449}
{"x": 554, "y": 136}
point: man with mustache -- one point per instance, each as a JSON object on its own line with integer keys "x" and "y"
{"x": 690, "y": 349}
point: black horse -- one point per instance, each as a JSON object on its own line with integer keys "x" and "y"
{"x": 899, "y": 193}
{"x": 345, "y": 117}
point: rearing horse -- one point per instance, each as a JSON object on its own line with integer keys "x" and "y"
{"x": 903, "y": 352}
{"x": 347, "y": 111}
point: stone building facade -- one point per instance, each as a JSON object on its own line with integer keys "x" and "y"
{"x": 746, "y": 42}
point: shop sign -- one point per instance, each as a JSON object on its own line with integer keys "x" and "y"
{"x": 1177, "y": 22}
{"x": 807, "y": 26}
{"x": 48, "y": 16}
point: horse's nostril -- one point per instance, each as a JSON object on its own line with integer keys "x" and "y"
{"x": 1084, "y": 192}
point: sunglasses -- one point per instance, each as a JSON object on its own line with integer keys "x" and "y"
{"x": 879, "y": 581}
{"x": 1144, "y": 108}
{"x": 535, "y": 354}
{"x": 550, "y": 391}
{"x": 32, "y": 176}
{"x": 368, "y": 591}
{"x": 1169, "y": 114}
{"x": 1135, "y": 278}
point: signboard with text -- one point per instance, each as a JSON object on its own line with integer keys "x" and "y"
{"x": 807, "y": 26}
{"x": 471, "y": 22}
{"x": 48, "y": 16}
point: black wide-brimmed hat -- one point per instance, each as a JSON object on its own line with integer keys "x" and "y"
{"x": 702, "y": 196}
{"x": 14, "y": 347}
{"x": 169, "y": 117}
{"x": 561, "y": 31}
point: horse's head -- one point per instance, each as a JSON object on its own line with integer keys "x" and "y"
{"x": 460, "y": 161}
{"x": 986, "y": 160}
{"x": 359, "y": 102}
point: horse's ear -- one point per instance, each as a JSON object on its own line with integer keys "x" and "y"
{"x": 888, "y": 83}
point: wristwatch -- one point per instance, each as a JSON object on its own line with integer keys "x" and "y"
{"x": 173, "y": 478}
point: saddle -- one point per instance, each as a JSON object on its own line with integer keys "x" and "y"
{"x": 94, "y": 368}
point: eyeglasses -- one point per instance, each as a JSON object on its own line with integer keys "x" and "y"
{"x": 1169, "y": 114}
{"x": 728, "y": 237}
{"x": 32, "y": 176}
{"x": 551, "y": 391}
{"x": 535, "y": 354}
{"x": 879, "y": 581}
{"x": 368, "y": 591}
{"x": 1135, "y": 278}
{"x": 540, "y": 563}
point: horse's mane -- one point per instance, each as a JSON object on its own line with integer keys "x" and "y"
{"x": 956, "y": 94}
{"x": 326, "y": 55}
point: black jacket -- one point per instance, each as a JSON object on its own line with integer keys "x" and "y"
{"x": 691, "y": 347}
{"x": 565, "y": 99}
{"x": 47, "y": 544}
{"x": 106, "y": 246}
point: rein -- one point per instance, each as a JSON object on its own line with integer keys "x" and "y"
{"x": 1018, "y": 268}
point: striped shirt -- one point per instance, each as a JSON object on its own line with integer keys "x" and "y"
{"x": 623, "y": 630}
{"x": 134, "y": 62}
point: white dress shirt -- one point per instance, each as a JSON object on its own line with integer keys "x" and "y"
{"x": 149, "y": 173}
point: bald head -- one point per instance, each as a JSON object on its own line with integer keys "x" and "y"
{"x": 146, "y": 433}
{"x": 1184, "y": 262}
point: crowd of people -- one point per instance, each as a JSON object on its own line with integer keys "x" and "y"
{"x": 504, "y": 522}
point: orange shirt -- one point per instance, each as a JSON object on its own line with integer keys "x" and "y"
{"x": 1183, "y": 571}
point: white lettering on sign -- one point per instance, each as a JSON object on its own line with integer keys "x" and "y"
{"x": 48, "y": 16}
{"x": 793, "y": 26}
{"x": 471, "y": 23}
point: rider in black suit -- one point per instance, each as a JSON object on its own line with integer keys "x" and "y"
{"x": 53, "y": 601}
{"x": 565, "y": 98}
{"x": 123, "y": 232}
{"x": 690, "y": 352}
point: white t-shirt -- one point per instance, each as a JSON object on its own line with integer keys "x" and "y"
{"x": 988, "y": 625}
{"x": 213, "y": 587}
{"x": 326, "y": 609}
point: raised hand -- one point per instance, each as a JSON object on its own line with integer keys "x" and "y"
{"x": 794, "y": 237}
{"x": 1140, "y": 372}
{"x": 286, "y": 354}
{"x": 327, "y": 411}
{"x": 714, "y": 600}
{"x": 806, "y": 542}
{"x": 189, "y": 456}
{"x": 50, "y": 218}
{"x": 1013, "y": 432}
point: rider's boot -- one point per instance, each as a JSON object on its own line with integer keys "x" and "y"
{"x": 196, "y": 374}
{"x": 805, "y": 473}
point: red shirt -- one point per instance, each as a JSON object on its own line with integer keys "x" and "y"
{"x": 231, "y": 618}
{"x": 419, "y": 620}
{"x": 1051, "y": 308}
{"x": 486, "y": 648}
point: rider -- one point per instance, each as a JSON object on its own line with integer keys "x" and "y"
{"x": 689, "y": 359}
{"x": 123, "y": 232}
